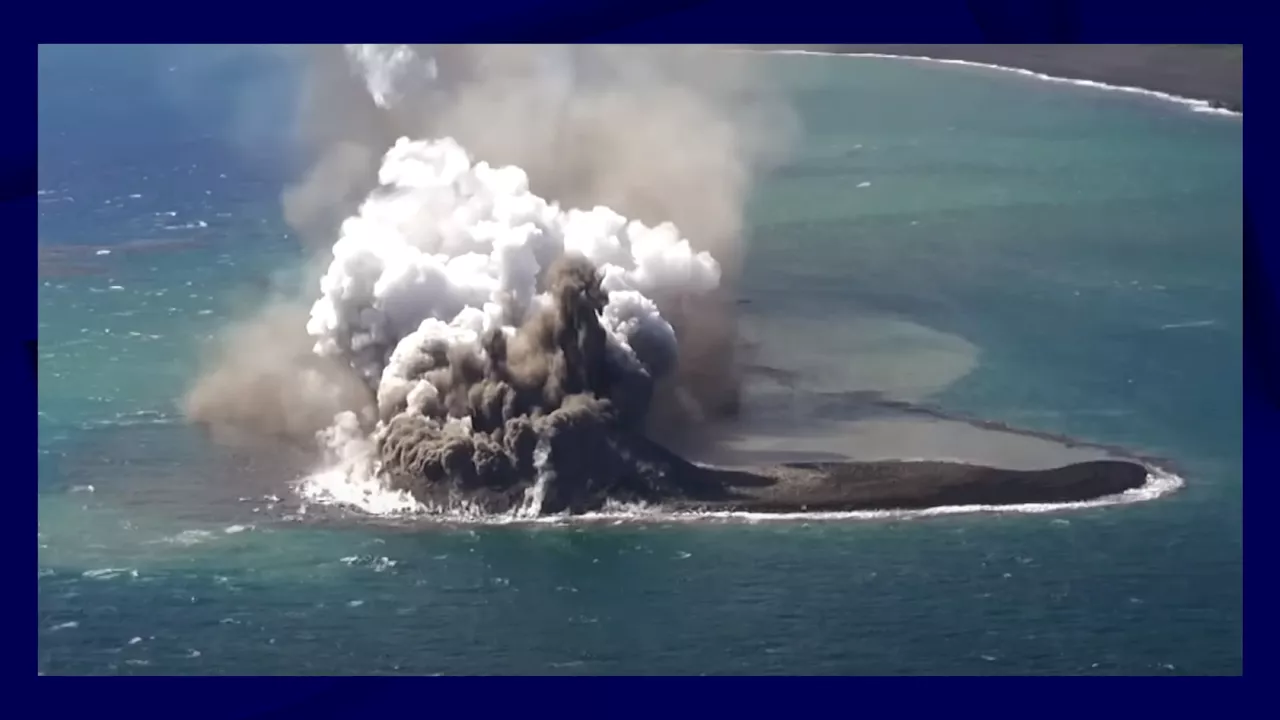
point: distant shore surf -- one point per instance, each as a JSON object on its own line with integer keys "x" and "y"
{"x": 1205, "y": 79}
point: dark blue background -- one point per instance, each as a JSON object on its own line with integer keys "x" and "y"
{"x": 658, "y": 21}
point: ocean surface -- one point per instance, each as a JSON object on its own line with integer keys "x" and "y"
{"x": 1061, "y": 259}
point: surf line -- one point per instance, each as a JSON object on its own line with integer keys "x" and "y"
{"x": 1200, "y": 106}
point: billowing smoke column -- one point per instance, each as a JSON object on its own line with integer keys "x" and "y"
{"x": 510, "y": 346}
{"x": 666, "y": 133}
{"x": 462, "y": 316}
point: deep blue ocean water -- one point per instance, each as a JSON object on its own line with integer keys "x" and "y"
{"x": 1058, "y": 258}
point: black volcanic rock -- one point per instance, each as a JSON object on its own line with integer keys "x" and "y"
{"x": 903, "y": 485}
{"x": 623, "y": 467}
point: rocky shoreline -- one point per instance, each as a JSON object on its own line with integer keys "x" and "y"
{"x": 653, "y": 476}
{"x": 917, "y": 485}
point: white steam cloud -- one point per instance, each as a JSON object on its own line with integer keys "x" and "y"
{"x": 445, "y": 253}
{"x": 452, "y": 250}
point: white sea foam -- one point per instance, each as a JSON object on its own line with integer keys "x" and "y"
{"x": 109, "y": 573}
{"x": 1189, "y": 324}
{"x": 376, "y": 564}
{"x": 186, "y": 538}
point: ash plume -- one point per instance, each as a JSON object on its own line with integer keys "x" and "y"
{"x": 489, "y": 324}
{"x": 533, "y": 420}
{"x": 469, "y": 333}
{"x": 263, "y": 384}
{"x": 656, "y": 133}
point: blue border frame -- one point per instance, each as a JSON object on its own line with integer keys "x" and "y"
{"x": 657, "y": 21}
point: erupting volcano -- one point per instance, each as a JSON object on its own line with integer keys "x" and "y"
{"x": 482, "y": 347}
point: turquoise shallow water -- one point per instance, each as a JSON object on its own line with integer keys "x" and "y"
{"x": 1058, "y": 258}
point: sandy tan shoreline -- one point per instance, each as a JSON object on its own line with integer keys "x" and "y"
{"x": 1214, "y": 73}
